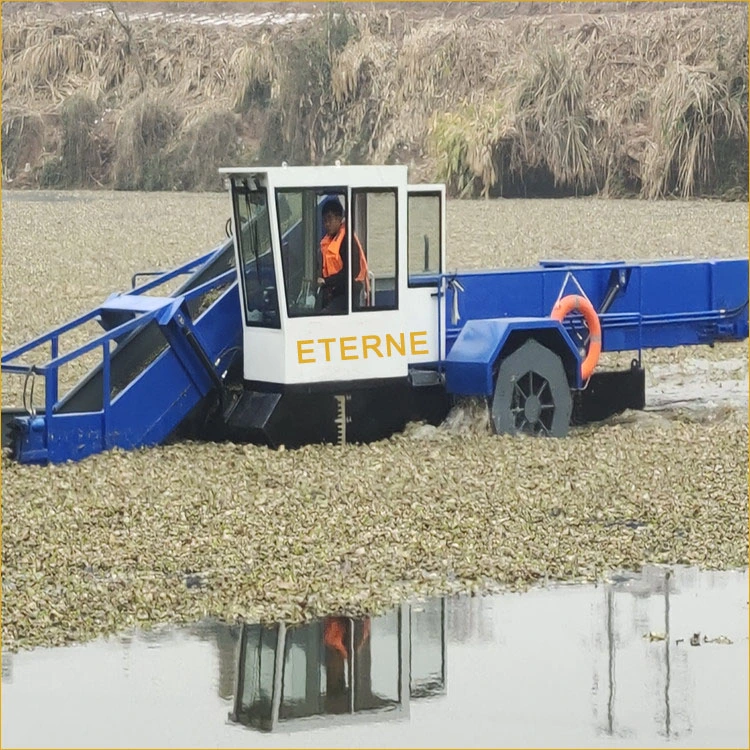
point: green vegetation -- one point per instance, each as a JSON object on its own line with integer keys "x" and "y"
{"x": 471, "y": 146}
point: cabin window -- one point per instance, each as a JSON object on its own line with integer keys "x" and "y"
{"x": 427, "y": 667}
{"x": 338, "y": 665}
{"x": 424, "y": 236}
{"x": 253, "y": 232}
{"x": 254, "y": 699}
{"x": 375, "y": 225}
{"x": 302, "y": 230}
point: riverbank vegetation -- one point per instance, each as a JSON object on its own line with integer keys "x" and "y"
{"x": 647, "y": 104}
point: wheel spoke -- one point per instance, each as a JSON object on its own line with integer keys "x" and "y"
{"x": 520, "y": 391}
{"x": 544, "y": 385}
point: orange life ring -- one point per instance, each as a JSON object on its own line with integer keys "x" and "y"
{"x": 572, "y": 302}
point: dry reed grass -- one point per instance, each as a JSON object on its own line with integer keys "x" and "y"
{"x": 695, "y": 107}
{"x": 653, "y": 103}
{"x": 79, "y": 160}
{"x": 23, "y": 136}
{"x": 143, "y": 133}
{"x": 206, "y": 141}
{"x": 552, "y": 116}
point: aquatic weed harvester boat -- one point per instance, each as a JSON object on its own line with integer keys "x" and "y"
{"x": 244, "y": 350}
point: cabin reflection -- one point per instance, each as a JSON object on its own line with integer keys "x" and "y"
{"x": 340, "y": 669}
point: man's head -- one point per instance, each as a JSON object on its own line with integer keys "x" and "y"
{"x": 333, "y": 216}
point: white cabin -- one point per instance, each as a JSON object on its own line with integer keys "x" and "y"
{"x": 377, "y": 334}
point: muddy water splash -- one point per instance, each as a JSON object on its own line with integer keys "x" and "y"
{"x": 695, "y": 388}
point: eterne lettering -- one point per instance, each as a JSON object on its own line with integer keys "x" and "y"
{"x": 312, "y": 351}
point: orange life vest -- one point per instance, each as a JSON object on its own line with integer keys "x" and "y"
{"x": 330, "y": 248}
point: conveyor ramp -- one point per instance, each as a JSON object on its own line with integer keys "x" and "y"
{"x": 162, "y": 360}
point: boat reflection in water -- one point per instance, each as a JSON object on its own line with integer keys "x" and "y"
{"x": 340, "y": 669}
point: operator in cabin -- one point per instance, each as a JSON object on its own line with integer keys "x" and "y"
{"x": 333, "y": 280}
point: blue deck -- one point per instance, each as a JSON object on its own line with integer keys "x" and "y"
{"x": 658, "y": 304}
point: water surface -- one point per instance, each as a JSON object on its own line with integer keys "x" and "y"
{"x": 574, "y": 665}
